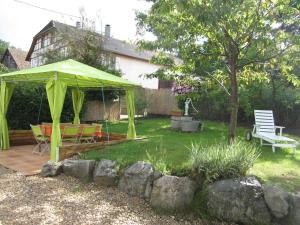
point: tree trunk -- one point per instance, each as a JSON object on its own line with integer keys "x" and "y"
{"x": 233, "y": 101}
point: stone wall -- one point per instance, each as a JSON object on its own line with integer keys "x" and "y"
{"x": 242, "y": 200}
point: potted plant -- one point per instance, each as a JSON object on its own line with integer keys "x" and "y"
{"x": 176, "y": 118}
{"x": 176, "y": 112}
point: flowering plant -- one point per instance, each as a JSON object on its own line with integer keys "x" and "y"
{"x": 178, "y": 89}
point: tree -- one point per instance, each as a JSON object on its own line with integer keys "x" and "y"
{"x": 215, "y": 37}
{"x": 3, "y": 68}
{"x": 3, "y": 46}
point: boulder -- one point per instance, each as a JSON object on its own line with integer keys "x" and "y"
{"x": 277, "y": 200}
{"x": 51, "y": 169}
{"x": 293, "y": 217}
{"x": 137, "y": 180}
{"x": 157, "y": 174}
{"x": 82, "y": 169}
{"x": 238, "y": 200}
{"x": 171, "y": 193}
{"x": 106, "y": 173}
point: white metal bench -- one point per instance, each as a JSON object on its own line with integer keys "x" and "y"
{"x": 265, "y": 130}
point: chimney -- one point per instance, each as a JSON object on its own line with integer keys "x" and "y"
{"x": 78, "y": 24}
{"x": 107, "y": 30}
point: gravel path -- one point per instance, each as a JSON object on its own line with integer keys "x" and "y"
{"x": 66, "y": 200}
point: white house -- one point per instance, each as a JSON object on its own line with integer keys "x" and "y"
{"x": 133, "y": 63}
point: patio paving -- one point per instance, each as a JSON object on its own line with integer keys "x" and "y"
{"x": 21, "y": 159}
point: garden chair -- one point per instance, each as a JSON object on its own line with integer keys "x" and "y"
{"x": 98, "y": 129}
{"x": 265, "y": 130}
{"x": 41, "y": 140}
{"x": 70, "y": 133}
{"x": 88, "y": 134}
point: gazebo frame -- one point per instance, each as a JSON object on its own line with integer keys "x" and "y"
{"x": 57, "y": 77}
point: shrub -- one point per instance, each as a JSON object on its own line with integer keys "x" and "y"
{"x": 158, "y": 159}
{"x": 223, "y": 161}
{"x": 29, "y": 105}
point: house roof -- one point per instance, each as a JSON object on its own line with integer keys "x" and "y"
{"x": 19, "y": 57}
{"x": 109, "y": 44}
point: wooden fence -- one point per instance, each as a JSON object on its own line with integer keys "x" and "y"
{"x": 95, "y": 111}
{"x": 161, "y": 101}
{"x": 158, "y": 102}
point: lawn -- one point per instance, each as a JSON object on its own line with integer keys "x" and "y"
{"x": 282, "y": 167}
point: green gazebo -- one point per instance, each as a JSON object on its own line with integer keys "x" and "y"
{"x": 57, "y": 77}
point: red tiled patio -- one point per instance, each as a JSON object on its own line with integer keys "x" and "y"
{"x": 21, "y": 159}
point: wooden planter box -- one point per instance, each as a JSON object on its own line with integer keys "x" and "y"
{"x": 21, "y": 137}
{"x": 69, "y": 150}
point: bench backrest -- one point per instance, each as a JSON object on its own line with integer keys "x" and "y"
{"x": 265, "y": 121}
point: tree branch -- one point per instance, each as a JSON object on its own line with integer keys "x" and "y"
{"x": 239, "y": 66}
{"x": 220, "y": 83}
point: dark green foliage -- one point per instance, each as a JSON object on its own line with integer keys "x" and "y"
{"x": 3, "y": 68}
{"x": 274, "y": 93}
{"x": 3, "y": 46}
{"x": 26, "y": 102}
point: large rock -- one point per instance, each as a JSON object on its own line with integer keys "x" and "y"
{"x": 137, "y": 180}
{"x": 277, "y": 200}
{"x": 51, "y": 169}
{"x": 171, "y": 193}
{"x": 293, "y": 217}
{"x": 82, "y": 169}
{"x": 238, "y": 200}
{"x": 106, "y": 173}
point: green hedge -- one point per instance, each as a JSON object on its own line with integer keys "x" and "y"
{"x": 26, "y": 102}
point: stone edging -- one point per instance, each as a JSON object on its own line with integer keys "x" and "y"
{"x": 242, "y": 200}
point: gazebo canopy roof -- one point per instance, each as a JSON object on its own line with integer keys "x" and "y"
{"x": 73, "y": 73}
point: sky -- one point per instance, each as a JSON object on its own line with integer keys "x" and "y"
{"x": 20, "y": 22}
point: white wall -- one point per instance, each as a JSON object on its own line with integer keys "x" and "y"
{"x": 133, "y": 68}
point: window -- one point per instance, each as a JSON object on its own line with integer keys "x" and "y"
{"x": 37, "y": 61}
{"x": 47, "y": 39}
{"x": 33, "y": 62}
{"x": 38, "y": 44}
{"x": 112, "y": 64}
{"x": 64, "y": 51}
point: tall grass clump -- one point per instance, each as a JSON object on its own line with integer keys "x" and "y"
{"x": 223, "y": 161}
{"x": 158, "y": 158}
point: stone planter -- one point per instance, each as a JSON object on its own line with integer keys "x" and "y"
{"x": 175, "y": 122}
{"x": 190, "y": 126}
{"x": 186, "y": 118}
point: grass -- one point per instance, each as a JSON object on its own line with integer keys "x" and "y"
{"x": 281, "y": 168}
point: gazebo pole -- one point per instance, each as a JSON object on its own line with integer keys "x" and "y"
{"x": 77, "y": 99}
{"x": 56, "y": 91}
{"x": 131, "y": 134}
{"x": 6, "y": 91}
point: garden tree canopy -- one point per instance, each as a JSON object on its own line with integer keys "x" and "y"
{"x": 57, "y": 77}
{"x": 221, "y": 37}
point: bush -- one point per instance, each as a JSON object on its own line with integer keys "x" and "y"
{"x": 29, "y": 105}
{"x": 223, "y": 161}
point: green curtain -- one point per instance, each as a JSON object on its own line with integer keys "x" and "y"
{"x": 56, "y": 91}
{"x": 131, "y": 112}
{"x": 77, "y": 98}
{"x": 5, "y": 96}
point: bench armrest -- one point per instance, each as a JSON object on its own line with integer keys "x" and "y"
{"x": 279, "y": 127}
{"x": 255, "y": 126}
